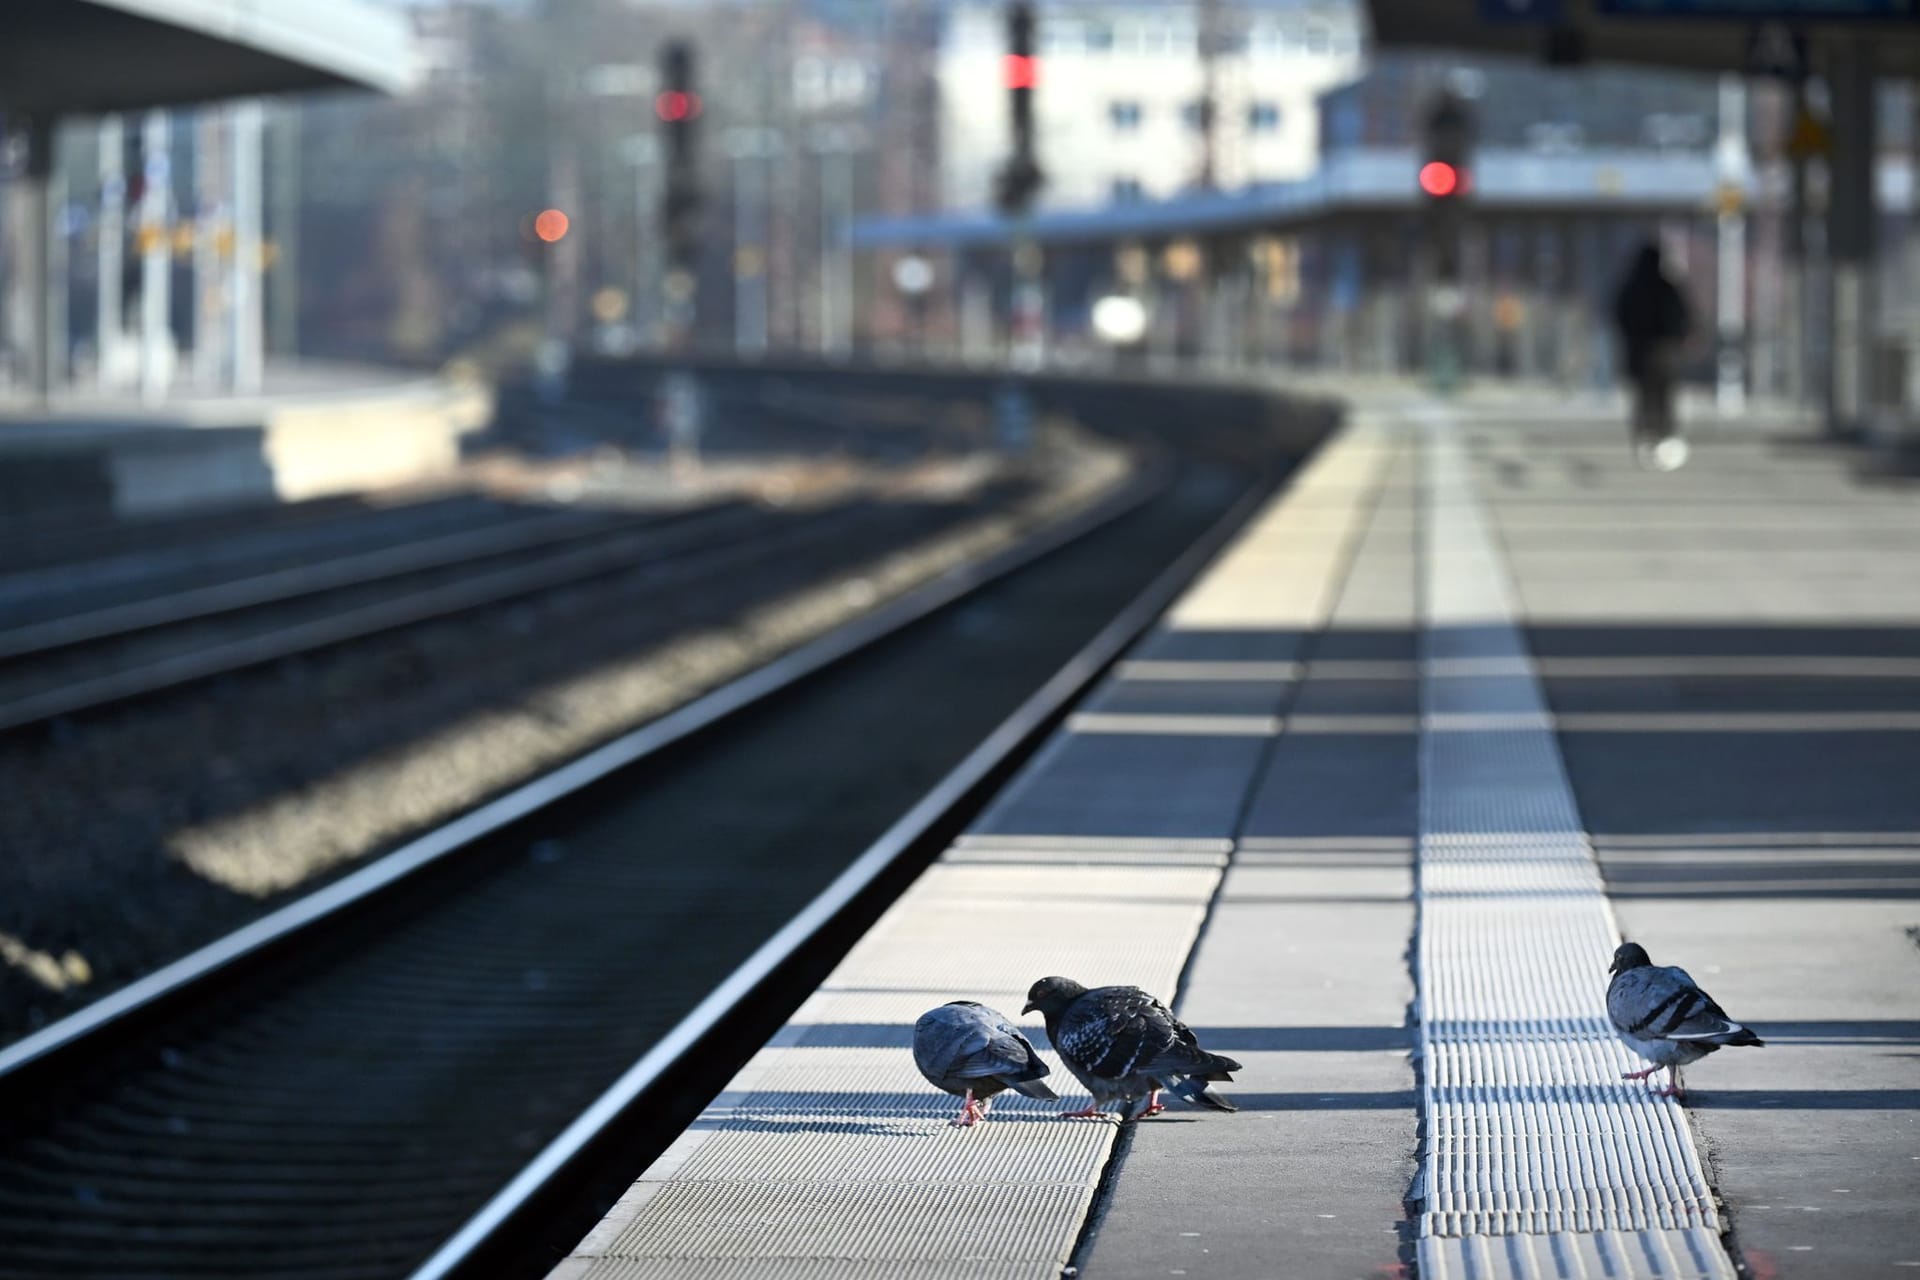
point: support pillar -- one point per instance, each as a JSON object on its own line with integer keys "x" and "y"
{"x": 212, "y": 247}
{"x": 156, "y": 266}
{"x": 36, "y": 244}
{"x": 1730, "y": 300}
{"x": 111, "y": 231}
{"x": 1851, "y": 215}
{"x": 247, "y": 303}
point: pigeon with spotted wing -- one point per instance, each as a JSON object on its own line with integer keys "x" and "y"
{"x": 1125, "y": 1047}
{"x": 1663, "y": 1015}
{"x": 972, "y": 1051}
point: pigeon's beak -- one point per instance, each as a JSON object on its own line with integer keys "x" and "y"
{"x": 1029, "y": 1007}
{"x": 1614, "y": 967}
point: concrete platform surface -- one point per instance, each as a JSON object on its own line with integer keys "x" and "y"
{"x": 1471, "y": 699}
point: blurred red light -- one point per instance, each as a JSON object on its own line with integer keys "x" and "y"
{"x": 1022, "y": 71}
{"x": 1439, "y": 179}
{"x": 674, "y": 105}
{"x": 550, "y": 225}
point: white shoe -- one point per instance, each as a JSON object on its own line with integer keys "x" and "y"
{"x": 1671, "y": 454}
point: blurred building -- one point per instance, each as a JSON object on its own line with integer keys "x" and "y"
{"x": 1119, "y": 107}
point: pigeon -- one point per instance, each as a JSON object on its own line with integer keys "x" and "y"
{"x": 1126, "y": 1046}
{"x": 972, "y": 1051}
{"x": 1665, "y": 1017}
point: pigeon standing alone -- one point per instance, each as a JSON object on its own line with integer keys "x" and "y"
{"x": 1665, "y": 1017}
{"x": 970, "y": 1050}
{"x": 1126, "y": 1046}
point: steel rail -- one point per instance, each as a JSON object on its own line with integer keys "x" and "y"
{"x": 465, "y": 1252}
{"x": 618, "y": 551}
{"x": 97, "y": 1022}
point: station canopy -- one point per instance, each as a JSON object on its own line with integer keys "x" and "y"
{"x": 1759, "y": 36}
{"x": 62, "y": 57}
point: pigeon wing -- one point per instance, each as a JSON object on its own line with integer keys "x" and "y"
{"x": 1002, "y": 1051}
{"x": 967, "y": 1041}
{"x": 1663, "y": 1003}
{"x": 1112, "y": 1031}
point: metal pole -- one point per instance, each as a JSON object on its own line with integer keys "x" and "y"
{"x": 648, "y": 312}
{"x": 285, "y": 317}
{"x": 156, "y": 266}
{"x": 753, "y": 151}
{"x": 36, "y": 243}
{"x": 1850, "y": 235}
{"x": 1208, "y": 34}
{"x": 826, "y": 252}
{"x": 248, "y": 341}
{"x": 740, "y": 263}
{"x": 58, "y": 297}
{"x": 836, "y": 256}
{"x": 111, "y": 229}
{"x": 1731, "y": 161}
{"x": 1793, "y": 278}
{"x": 210, "y": 220}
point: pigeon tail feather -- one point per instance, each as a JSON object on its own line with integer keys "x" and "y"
{"x": 1194, "y": 1089}
{"x": 1218, "y": 1067}
{"x": 1034, "y": 1089}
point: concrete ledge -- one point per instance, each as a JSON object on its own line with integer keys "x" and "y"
{"x": 100, "y": 459}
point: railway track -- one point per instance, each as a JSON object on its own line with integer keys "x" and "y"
{"x": 77, "y": 662}
{"x": 450, "y": 1035}
{"x": 99, "y": 564}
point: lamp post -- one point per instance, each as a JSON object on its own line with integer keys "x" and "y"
{"x": 753, "y": 151}
{"x": 835, "y": 146}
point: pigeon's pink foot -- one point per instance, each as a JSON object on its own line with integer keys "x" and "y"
{"x": 970, "y": 1115}
{"x": 1154, "y": 1105}
{"x": 1638, "y": 1075}
{"x": 1091, "y": 1112}
{"x": 1674, "y": 1088}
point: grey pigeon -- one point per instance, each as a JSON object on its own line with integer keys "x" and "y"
{"x": 1665, "y": 1017}
{"x": 970, "y": 1050}
{"x": 1125, "y": 1047}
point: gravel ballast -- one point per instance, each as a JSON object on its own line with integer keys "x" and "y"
{"x": 137, "y": 834}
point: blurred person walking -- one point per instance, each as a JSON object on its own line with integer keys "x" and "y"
{"x": 1652, "y": 316}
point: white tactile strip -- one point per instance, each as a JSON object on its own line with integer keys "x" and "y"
{"x": 827, "y": 1155}
{"x": 1540, "y": 1160}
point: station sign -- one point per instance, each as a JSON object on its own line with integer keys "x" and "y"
{"x": 1520, "y": 11}
{"x": 1760, "y": 10}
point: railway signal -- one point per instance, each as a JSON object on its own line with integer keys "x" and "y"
{"x": 678, "y": 107}
{"x": 1445, "y": 178}
{"x": 1020, "y": 180}
{"x": 1447, "y": 146}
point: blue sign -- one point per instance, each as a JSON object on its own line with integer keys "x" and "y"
{"x": 1541, "y": 11}
{"x": 1784, "y": 10}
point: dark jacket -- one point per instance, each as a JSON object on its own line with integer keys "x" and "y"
{"x": 1648, "y": 310}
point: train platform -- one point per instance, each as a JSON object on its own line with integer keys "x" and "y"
{"x": 314, "y": 429}
{"x": 1467, "y": 702}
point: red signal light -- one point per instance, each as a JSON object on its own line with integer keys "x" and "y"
{"x": 1437, "y": 178}
{"x": 676, "y": 105}
{"x": 550, "y": 225}
{"x": 1022, "y": 71}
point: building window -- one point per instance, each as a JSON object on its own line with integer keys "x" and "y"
{"x": 1263, "y": 117}
{"x": 1195, "y": 113}
{"x": 1125, "y": 190}
{"x": 1124, "y": 113}
{"x": 1099, "y": 36}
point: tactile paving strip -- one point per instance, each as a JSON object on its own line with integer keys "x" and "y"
{"x": 1540, "y": 1160}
